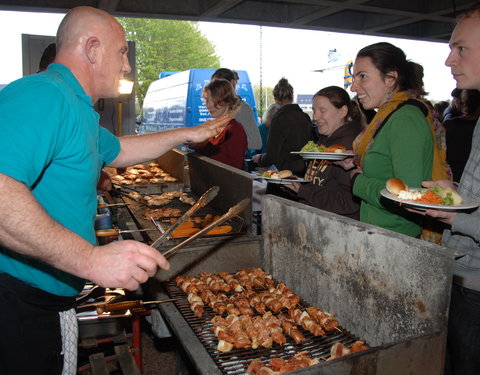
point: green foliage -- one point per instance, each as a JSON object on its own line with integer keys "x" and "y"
{"x": 166, "y": 45}
{"x": 267, "y": 98}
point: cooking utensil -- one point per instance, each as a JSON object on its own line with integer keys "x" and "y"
{"x": 108, "y": 306}
{"x": 115, "y": 232}
{"x": 232, "y": 212}
{"x": 120, "y": 187}
{"x": 95, "y": 292}
{"x": 105, "y": 205}
{"x": 206, "y": 198}
{"x": 125, "y": 305}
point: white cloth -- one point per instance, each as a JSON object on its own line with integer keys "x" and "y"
{"x": 69, "y": 330}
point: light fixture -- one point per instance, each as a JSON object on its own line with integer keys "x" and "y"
{"x": 125, "y": 88}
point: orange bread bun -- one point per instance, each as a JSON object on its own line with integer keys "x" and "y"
{"x": 395, "y": 186}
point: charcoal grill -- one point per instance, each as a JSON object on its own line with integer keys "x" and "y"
{"x": 237, "y": 360}
{"x": 387, "y": 288}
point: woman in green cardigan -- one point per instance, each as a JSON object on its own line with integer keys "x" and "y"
{"x": 399, "y": 142}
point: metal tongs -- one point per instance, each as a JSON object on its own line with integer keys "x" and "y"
{"x": 232, "y": 212}
{"x": 206, "y": 198}
{"x": 120, "y": 189}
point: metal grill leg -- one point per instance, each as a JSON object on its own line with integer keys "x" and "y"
{"x": 98, "y": 364}
{"x": 126, "y": 360}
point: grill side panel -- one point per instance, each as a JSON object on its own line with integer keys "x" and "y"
{"x": 384, "y": 286}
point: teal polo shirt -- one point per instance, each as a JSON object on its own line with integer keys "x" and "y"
{"x": 52, "y": 142}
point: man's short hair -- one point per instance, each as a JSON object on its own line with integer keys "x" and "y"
{"x": 474, "y": 10}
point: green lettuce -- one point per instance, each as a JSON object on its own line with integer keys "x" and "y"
{"x": 311, "y": 146}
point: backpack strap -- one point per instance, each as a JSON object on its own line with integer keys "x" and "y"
{"x": 413, "y": 102}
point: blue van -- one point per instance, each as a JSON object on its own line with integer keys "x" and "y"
{"x": 175, "y": 100}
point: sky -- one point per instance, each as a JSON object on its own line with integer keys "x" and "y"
{"x": 291, "y": 53}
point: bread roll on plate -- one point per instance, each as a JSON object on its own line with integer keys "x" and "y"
{"x": 395, "y": 186}
{"x": 284, "y": 174}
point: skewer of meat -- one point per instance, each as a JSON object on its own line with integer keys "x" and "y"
{"x": 306, "y": 321}
{"x": 323, "y": 318}
{"x": 339, "y": 350}
{"x": 196, "y": 304}
{"x": 286, "y": 297}
{"x": 232, "y": 282}
{"x": 231, "y": 308}
{"x": 290, "y": 328}
{"x": 257, "y": 303}
{"x": 249, "y": 328}
{"x": 214, "y": 282}
{"x": 275, "y": 327}
{"x": 280, "y": 365}
{"x": 190, "y": 284}
{"x": 241, "y": 338}
{"x": 270, "y": 301}
{"x": 244, "y": 279}
{"x": 264, "y": 338}
{"x": 242, "y": 304}
{"x": 221, "y": 331}
{"x": 217, "y": 302}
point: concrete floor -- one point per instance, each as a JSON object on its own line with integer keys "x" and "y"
{"x": 158, "y": 357}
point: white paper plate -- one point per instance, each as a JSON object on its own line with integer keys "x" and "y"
{"x": 466, "y": 204}
{"x": 322, "y": 155}
{"x": 281, "y": 180}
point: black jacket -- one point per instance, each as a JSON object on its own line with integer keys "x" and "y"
{"x": 331, "y": 189}
{"x": 290, "y": 130}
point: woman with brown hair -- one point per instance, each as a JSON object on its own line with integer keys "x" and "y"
{"x": 401, "y": 141}
{"x": 230, "y": 145}
{"x": 338, "y": 120}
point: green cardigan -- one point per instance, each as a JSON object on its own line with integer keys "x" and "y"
{"x": 404, "y": 149}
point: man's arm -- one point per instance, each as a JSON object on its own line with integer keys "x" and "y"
{"x": 27, "y": 229}
{"x": 141, "y": 148}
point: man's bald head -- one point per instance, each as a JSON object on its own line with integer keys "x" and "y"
{"x": 83, "y": 22}
{"x": 92, "y": 44}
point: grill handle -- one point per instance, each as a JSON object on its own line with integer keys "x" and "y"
{"x": 232, "y": 212}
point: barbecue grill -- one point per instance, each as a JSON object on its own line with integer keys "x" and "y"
{"x": 387, "y": 288}
{"x": 237, "y": 361}
{"x": 202, "y": 173}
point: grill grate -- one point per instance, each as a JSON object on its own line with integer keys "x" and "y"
{"x": 136, "y": 209}
{"x": 237, "y": 360}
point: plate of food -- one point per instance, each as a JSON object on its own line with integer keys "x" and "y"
{"x": 280, "y": 177}
{"x": 437, "y": 197}
{"x": 313, "y": 151}
{"x": 322, "y": 155}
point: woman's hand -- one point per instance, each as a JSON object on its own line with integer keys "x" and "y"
{"x": 442, "y": 183}
{"x": 346, "y": 163}
{"x": 256, "y": 158}
{"x": 355, "y": 171}
{"x": 294, "y": 186}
